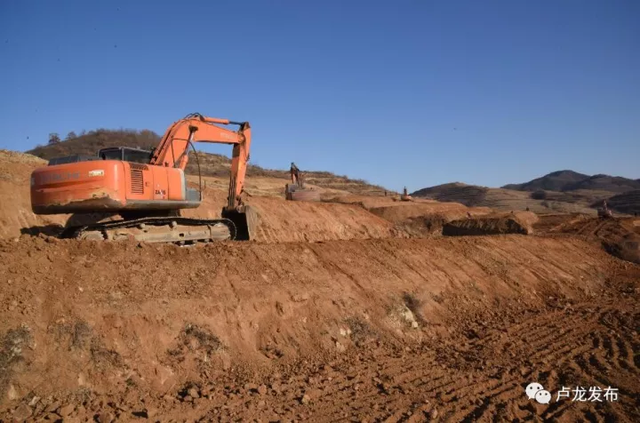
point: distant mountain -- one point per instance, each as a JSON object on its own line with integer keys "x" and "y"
{"x": 605, "y": 183}
{"x": 561, "y": 191}
{"x": 508, "y": 200}
{"x": 568, "y": 180}
{"x": 555, "y": 181}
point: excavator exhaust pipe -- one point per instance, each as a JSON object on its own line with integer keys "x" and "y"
{"x": 245, "y": 219}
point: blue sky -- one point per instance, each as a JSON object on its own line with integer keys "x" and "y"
{"x": 413, "y": 93}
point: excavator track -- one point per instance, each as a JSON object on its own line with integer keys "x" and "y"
{"x": 178, "y": 230}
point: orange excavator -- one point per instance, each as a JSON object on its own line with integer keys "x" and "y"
{"x": 147, "y": 189}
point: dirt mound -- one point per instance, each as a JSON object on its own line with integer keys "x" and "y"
{"x": 190, "y": 332}
{"x": 426, "y": 217}
{"x": 548, "y": 223}
{"x": 361, "y": 200}
{"x": 402, "y": 211}
{"x": 15, "y": 207}
{"x": 619, "y": 236}
{"x": 285, "y": 221}
{"x": 14, "y": 157}
{"x": 417, "y": 218}
{"x": 280, "y": 220}
{"x": 512, "y": 223}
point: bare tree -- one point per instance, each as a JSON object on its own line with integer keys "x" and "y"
{"x": 71, "y": 135}
{"x": 54, "y": 138}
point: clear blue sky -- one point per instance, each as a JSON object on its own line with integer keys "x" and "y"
{"x": 412, "y": 93}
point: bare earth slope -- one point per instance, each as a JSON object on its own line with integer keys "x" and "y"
{"x": 337, "y": 313}
{"x": 15, "y": 204}
{"x": 620, "y": 237}
{"x": 401, "y": 329}
{"x": 279, "y": 220}
{"x": 342, "y": 216}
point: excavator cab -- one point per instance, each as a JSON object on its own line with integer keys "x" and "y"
{"x": 125, "y": 154}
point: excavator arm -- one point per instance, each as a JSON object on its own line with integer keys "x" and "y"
{"x": 174, "y": 147}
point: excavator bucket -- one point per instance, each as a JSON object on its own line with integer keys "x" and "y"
{"x": 245, "y": 221}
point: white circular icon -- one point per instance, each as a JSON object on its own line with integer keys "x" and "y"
{"x": 532, "y": 389}
{"x": 543, "y": 397}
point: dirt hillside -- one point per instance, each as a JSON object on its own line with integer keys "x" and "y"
{"x": 620, "y": 237}
{"x": 15, "y": 207}
{"x": 492, "y": 224}
{"x": 425, "y": 217}
{"x": 279, "y": 220}
{"x": 349, "y": 309}
{"x": 341, "y": 216}
{"x": 297, "y": 330}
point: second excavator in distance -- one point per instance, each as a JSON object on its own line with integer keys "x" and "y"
{"x": 147, "y": 189}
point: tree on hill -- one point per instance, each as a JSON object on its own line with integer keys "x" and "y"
{"x": 539, "y": 195}
{"x": 54, "y": 138}
{"x": 71, "y": 135}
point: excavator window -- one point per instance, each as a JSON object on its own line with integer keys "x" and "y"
{"x": 125, "y": 154}
{"x": 111, "y": 154}
{"x": 137, "y": 156}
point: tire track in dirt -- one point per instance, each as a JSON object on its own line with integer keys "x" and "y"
{"x": 479, "y": 398}
{"x": 475, "y": 398}
{"x": 483, "y": 398}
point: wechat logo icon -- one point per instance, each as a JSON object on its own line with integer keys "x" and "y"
{"x": 536, "y": 391}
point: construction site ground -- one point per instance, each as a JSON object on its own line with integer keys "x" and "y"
{"x": 351, "y": 309}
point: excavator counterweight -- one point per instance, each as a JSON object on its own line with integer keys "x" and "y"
{"x": 147, "y": 189}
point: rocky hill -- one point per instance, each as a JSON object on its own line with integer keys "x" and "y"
{"x": 605, "y": 183}
{"x": 469, "y": 195}
{"x": 561, "y": 191}
{"x": 568, "y": 180}
{"x": 555, "y": 181}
